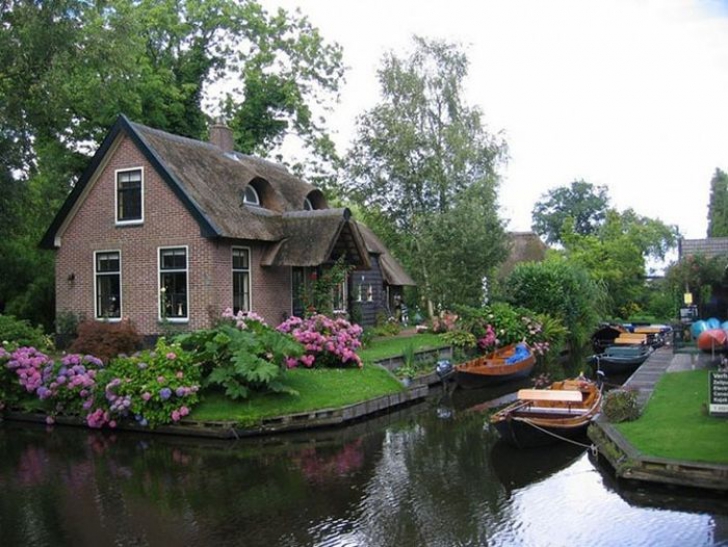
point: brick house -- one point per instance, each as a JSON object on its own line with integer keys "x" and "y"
{"x": 165, "y": 229}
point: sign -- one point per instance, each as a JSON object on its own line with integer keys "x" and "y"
{"x": 718, "y": 394}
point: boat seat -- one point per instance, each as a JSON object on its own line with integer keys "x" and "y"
{"x": 552, "y": 410}
{"x": 561, "y": 395}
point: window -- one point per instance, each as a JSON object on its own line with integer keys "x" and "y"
{"x": 340, "y": 296}
{"x": 241, "y": 279}
{"x": 250, "y": 196}
{"x": 129, "y": 197}
{"x": 107, "y": 273}
{"x": 173, "y": 300}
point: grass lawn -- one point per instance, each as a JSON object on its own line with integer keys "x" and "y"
{"x": 676, "y": 423}
{"x": 397, "y": 345}
{"x": 318, "y": 389}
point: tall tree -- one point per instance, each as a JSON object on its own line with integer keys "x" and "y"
{"x": 69, "y": 67}
{"x": 423, "y": 160}
{"x": 581, "y": 201}
{"x": 718, "y": 205}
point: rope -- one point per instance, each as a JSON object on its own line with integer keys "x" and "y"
{"x": 591, "y": 447}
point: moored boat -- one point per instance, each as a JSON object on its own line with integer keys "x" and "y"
{"x": 621, "y": 359}
{"x": 503, "y": 365}
{"x": 712, "y": 340}
{"x": 545, "y": 416}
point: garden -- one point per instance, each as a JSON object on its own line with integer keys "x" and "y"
{"x": 240, "y": 371}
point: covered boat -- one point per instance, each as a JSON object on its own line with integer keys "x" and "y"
{"x": 712, "y": 340}
{"x": 621, "y": 359}
{"x": 605, "y": 336}
{"x": 545, "y": 416}
{"x": 505, "y": 364}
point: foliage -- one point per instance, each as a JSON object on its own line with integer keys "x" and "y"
{"x": 242, "y": 355}
{"x": 718, "y": 205}
{"x": 444, "y": 322}
{"x": 384, "y": 326}
{"x": 460, "y": 338}
{"x": 327, "y": 342}
{"x": 562, "y": 290}
{"x": 585, "y": 204}
{"x": 423, "y": 168}
{"x": 106, "y": 340}
{"x": 69, "y": 383}
{"x": 620, "y": 405}
{"x": 696, "y": 274}
{"x": 317, "y": 296}
{"x": 152, "y": 388}
{"x": 21, "y": 333}
{"x": 69, "y": 67}
{"x": 392, "y": 347}
{"x": 22, "y": 373}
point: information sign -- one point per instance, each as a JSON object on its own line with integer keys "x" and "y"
{"x": 718, "y": 394}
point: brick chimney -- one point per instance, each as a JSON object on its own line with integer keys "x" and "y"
{"x": 222, "y": 137}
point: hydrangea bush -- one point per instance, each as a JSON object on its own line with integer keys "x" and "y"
{"x": 152, "y": 388}
{"x": 327, "y": 342}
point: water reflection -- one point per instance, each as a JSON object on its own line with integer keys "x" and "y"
{"x": 429, "y": 476}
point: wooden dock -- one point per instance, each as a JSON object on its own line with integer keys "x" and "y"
{"x": 627, "y": 461}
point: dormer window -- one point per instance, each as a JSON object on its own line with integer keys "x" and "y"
{"x": 307, "y": 205}
{"x": 250, "y": 196}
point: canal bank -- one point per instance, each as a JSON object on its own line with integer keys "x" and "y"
{"x": 631, "y": 464}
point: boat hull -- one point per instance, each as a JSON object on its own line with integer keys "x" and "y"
{"x": 546, "y": 416}
{"x": 492, "y": 370}
{"x": 621, "y": 360}
{"x": 712, "y": 340}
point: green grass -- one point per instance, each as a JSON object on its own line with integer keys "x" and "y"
{"x": 676, "y": 423}
{"x": 396, "y": 345}
{"x": 318, "y": 389}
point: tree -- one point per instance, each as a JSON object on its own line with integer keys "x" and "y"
{"x": 718, "y": 205}
{"x": 562, "y": 289}
{"x": 616, "y": 256}
{"x": 69, "y": 67}
{"x": 583, "y": 202}
{"x": 424, "y": 163}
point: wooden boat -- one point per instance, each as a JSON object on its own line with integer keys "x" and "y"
{"x": 712, "y": 340}
{"x": 503, "y": 365}
{"x": 545, "y": 416}
{"x": 605, "y": 336}
{"x": 623, "y": 359}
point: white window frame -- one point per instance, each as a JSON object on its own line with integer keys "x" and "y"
{"x": 249, "y": 271}
{"x": 341, "y": 289}
{"x": 97, "y": 316}
{"x": 246, "y": 201}
{"x": 160, "y": 317}
{"x": 116, "y": 197}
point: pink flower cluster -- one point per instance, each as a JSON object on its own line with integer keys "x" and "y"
{"x": 489, "y": 340}
{"x": 28, "y": 364}
{"x": 74, "y": 377}
{"x": 328, "y": 342}
{"x": 242, "y": 318}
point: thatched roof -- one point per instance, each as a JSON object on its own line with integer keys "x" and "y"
{"x": 524, "y": 247}
{"x": 316, "y": 237}
{"x": 392, "y": 271}
{"x": 210, "y": 182}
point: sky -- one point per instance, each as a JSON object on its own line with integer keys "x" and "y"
{"x": 627, "y": 94}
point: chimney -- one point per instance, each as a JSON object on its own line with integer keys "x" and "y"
{"x": 222, "y": 137}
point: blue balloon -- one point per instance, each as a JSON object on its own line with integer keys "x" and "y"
{"x": 713, "y": 323}
{"x": 698, "y": 327}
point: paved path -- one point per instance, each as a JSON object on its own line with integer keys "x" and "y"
{"x": 661, "y": 361}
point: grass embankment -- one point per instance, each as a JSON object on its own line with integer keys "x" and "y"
{"x": 676, "y": 424}
{"x": 317, "y": 388}
{"x": 398, "y": 345}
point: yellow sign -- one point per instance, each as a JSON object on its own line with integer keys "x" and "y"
{"x": 688, "y": 298}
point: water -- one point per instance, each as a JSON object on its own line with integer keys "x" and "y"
{"x": 432, "y": 475}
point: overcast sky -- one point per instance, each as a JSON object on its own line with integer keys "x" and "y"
{"x": 628, "y": 94}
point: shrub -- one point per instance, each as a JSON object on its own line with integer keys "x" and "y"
{"x": 106, "y": 340}
{"x": 327, "y": 342}
{"x": 69, "y": 383}
{"x": 154, "y": 387}
{"x": 242, "y": 355}
{"x": 20, "y": 332}
{"x": 620, "y": 405}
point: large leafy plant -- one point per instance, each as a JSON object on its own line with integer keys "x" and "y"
{"x": 243, "y": 355}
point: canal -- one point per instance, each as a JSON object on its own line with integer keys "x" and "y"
{"x": 430, "y": 475}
